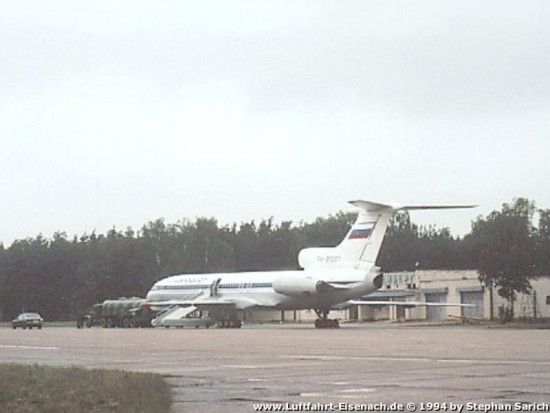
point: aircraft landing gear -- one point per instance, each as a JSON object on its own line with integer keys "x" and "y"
{"x": 323, "y": 321}
{"x": 231, "y": 323}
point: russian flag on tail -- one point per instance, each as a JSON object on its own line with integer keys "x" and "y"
{"x": 361, "y": 231}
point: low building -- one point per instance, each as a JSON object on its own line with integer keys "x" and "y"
{"x": 443, "y": 286}
{"x": 431, "y": 286}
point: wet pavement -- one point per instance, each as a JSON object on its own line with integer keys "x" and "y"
{"x": 300, "y": 367}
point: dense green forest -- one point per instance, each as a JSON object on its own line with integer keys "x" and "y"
{"x": 61, "y": 276}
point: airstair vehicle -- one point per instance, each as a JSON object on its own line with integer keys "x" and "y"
{"x": 176, "y": 316}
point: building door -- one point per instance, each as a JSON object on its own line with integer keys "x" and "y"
{"x": 401, "y": 315}
{"x": 353, "y": 313}
{"x": 475, "y": 298}
{"x": 436, "y": 313}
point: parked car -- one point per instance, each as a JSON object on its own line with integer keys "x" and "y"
{"x": 28, "y": 320}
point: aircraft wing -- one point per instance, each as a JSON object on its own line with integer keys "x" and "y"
{"x": 406, "y": 304}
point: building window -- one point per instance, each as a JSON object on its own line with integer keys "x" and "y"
{"x": 548, "y": 300}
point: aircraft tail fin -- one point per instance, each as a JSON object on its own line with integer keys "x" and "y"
{"x": 364, "y": 239}
{"x": 362, "y": 243}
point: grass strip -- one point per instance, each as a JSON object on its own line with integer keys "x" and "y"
{"x": 35, "y": 388}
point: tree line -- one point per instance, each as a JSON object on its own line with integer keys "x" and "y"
{"x": 62, "y": 276}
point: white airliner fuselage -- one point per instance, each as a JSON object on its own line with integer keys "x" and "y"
{"x": 330, "y": 276}
{"x": 272, "y": 289}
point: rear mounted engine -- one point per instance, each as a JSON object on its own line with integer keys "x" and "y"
{"x": 378, "y": 281}
{"x": 295, "y": 285}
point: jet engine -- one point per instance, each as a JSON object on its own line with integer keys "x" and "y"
{"x": 295, "y": 285}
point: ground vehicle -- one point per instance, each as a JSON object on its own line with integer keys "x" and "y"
{"x": 28, "y": 320}
{"x": 180, "y": 317}
{"x": 121, "y": 312}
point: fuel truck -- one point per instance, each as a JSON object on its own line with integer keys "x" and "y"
{"x": 122, "y": 312}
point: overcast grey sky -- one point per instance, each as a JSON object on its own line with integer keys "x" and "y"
{"x": 117, "y": 113}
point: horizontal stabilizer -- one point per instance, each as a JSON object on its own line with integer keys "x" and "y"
{"x": 419, "y": 207}
{"x": 377, "y": 206}
{"x": 372, "y": 206}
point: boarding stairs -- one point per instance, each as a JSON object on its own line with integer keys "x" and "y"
{"x": 181, "y": 316}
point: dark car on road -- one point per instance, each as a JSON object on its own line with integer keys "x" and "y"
{"x": 28, "y": 320}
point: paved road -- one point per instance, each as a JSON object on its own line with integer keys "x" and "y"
{"x": 230, "y": 370}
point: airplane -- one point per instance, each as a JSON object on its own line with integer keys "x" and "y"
{"x": 330, "y": 277}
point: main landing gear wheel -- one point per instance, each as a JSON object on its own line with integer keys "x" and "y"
{"x": 326, "y": 323}
{"x": 230, "y": 323}
{"x": 323, "y": 321}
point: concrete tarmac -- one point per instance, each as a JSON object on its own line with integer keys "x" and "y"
{"x": 218, "y": 370}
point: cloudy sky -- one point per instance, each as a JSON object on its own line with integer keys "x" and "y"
{"x": 117, "y": 113}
